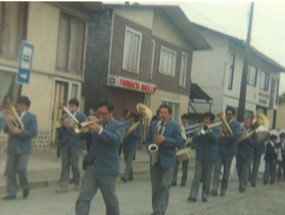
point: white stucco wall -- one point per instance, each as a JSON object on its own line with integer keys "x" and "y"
{"x": 160, "y": 95}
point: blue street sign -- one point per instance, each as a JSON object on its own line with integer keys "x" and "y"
{"x": 25, "y": 63}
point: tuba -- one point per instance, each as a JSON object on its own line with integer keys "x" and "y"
{"x": 144, "y": 112}
{"x": 12, "y": 119}
{"x": 260, "y": 126}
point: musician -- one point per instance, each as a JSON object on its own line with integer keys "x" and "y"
{"x": 245, "y": 154}
{"x": 258, "y": 150}
{"x": 185, "y": 123}
{"x": 166, "y": 134}
{"x": 282, "y": 143}
{"x": 129, "y": 146}
{"x": 19, "y": 148}
{"x": 102, "y": 162}
{"x": 227, "y": 149}
{"x": 270, "y": 160}
{"x": 70, "y": 145}
{"x": 206, "y": 156}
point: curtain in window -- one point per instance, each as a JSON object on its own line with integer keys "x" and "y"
{"x": 131, "y": 51}
{"x": 12, "y": 19}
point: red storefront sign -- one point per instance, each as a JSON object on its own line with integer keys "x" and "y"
{"x": 131, "y": 84}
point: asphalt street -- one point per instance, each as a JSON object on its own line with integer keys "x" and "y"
{"x": 135, "y": 199}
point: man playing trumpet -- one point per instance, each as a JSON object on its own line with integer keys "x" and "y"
{"x": 167, "y": 136}
{"x": 206, "y": 156}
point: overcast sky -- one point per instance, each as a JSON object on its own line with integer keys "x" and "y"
{"x": 268, "y": 30}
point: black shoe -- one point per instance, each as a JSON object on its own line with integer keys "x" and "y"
{"x": 182, "y": 184}
{"x": 253, "y": 184}
{"x": 190, "y": 199}
{"x": 173, "y": 184}
{"x": 26, "y": 193}
{"x": 214, "y": 192}
{"x": 9, "y": 198}
{"x": 223, "y": 193}
{"x": 265, "y": 182}
{"x": 204, "y": 199}
{"x": 241, "y": 190}
{"x": 124, "y": 179}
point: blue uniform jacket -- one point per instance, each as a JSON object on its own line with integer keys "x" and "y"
{"x": 173, "y": 140}
{"x": 131, "y": 142}
{"x": 104, "y": 150}
{"x": 68, "y": 138}
{"x": 228, "y": 143}
{"x": 207, "y": 145}
{"x": 245, "y": 149}
{"x": 22, "y": 143}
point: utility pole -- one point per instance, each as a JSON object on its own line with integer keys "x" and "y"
{"x": 242, "y": 95}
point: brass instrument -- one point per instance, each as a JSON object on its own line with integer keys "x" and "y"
{"x": 204, "y": 129}
{"x": 77, "y": 127}
{"x": 144, "y": 112}
{"x": 153, "y": 148}
{"x": 12, "y": 119}
{"x": 260, "y": 127}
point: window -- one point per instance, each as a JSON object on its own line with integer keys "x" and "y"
{"x": 231, "y": 72}
{"x": 251, "y": 75}
{"x": 277, "y": 92}
{"x": 151, "y": 58}
{"x": 264, "y": 81}
{"x": 7, "y": 83}
{"x": 132, "y": 49}
{"x": 175, "y": 109}
{"x": 70, "y": 43}
{"x": 167, "y": 62}
{"x": 183, "y": 69}
{"x": 13, "y": 19}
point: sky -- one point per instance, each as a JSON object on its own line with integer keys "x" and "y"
{"x": 268, "y": 28}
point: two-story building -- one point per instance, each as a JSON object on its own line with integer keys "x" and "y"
{"x": 218, "y": 72}
{"x": 58, "y": 33}
{"x": 138, "y": 53}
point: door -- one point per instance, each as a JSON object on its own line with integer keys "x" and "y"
{"x": 60, "y": 99}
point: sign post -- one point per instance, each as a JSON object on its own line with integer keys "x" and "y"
{"x": 25, "y": 64}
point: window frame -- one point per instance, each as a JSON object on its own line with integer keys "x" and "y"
{"x": 21, "y": 28}
{"x": 231, "y": 72}
{"x": 249, "y": 71}
{"x": 125, "y": 51}
{"x": 173, "y": 63}
{"x": 264, "y": 84}
{"x": 182, "y": 80}
{"x": 70, "y": 60}
{"x": 151, "y": 58}
{"x": 175, "y": 106}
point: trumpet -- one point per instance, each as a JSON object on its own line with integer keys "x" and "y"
{"x": 12, "y": 119}
{"x": 77, "y": 127}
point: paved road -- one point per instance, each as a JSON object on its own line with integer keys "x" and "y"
{"x": 134, "y": 199}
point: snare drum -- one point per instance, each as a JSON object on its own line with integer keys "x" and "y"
{"x": 183, "y": 154}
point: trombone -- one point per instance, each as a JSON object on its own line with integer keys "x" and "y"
{"x": 204, "y": 129}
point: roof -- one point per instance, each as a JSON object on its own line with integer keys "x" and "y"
{"x": 180, "y": 20}
{"x": 252, "y": 51}
{"x": 196, "y": 92}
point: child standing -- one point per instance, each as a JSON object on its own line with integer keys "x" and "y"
{"x": 270, "y": 160}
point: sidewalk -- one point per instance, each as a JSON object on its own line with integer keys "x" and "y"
{"x": 44, "y": 169}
